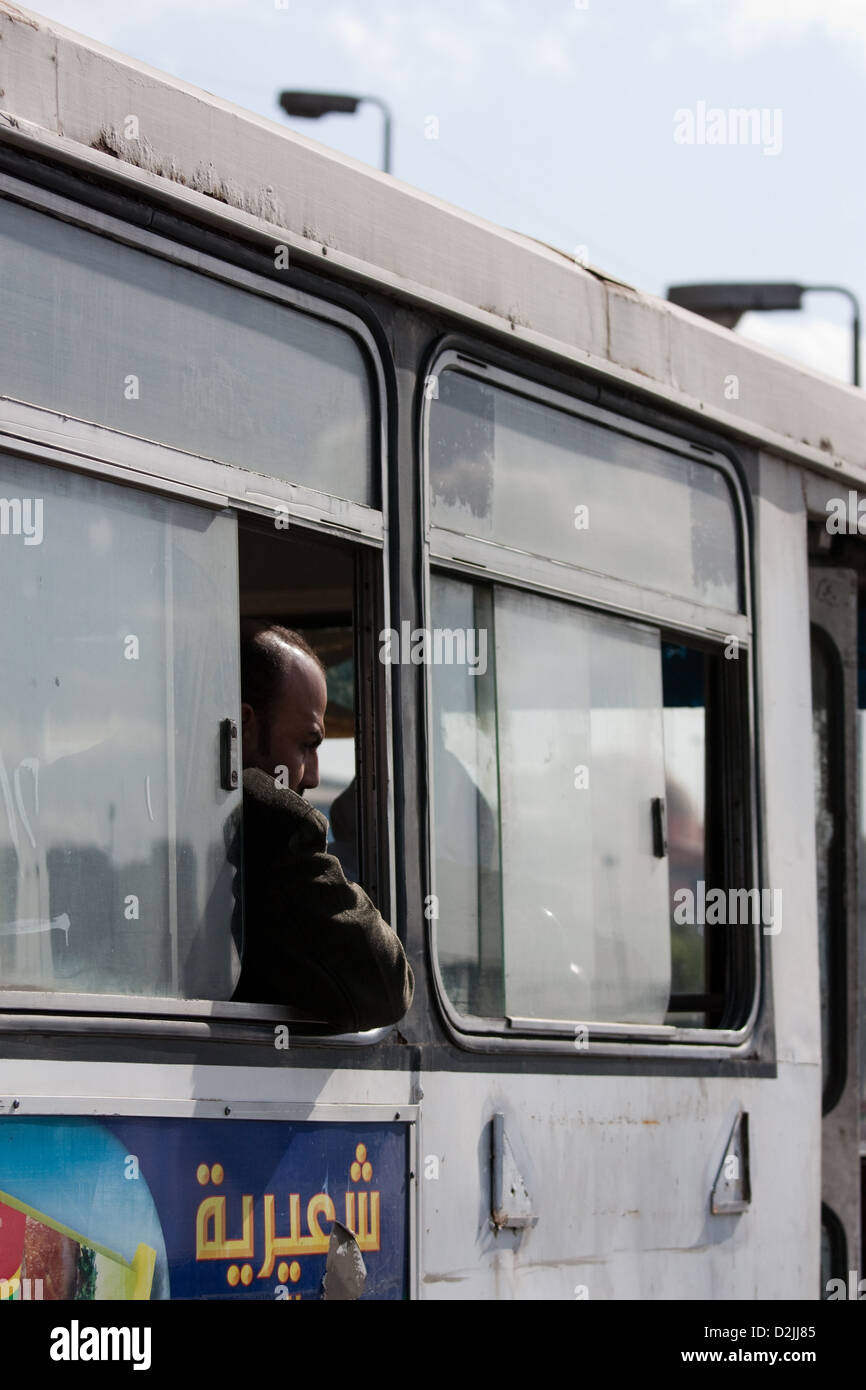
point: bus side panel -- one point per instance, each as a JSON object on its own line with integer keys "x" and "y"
{"x": 620, "y": 1169}
{"x": 619, "y": 1173}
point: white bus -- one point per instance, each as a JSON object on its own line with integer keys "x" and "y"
{"x": 572, "y": 559}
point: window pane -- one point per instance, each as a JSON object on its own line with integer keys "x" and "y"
{"x": 684, "y": 685}
{"x": 512, "y": 470}
{"x": 120, "y": 632}
{"x": 571, "y": 711}
{"x": 466, "y": 796}
{"x": 110, "y": 334}
{"x": 586, "y": 929}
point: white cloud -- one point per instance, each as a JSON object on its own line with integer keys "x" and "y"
{"x": 96, "y": 17}
{"x": 456, "y": 47}
{"x": 817, "y": 343}
{"x": 349, "y": 30}
{"x": 376, "y": 45}
{"x": 742, "y": 25}
{"x": 660, "y": 48}
{"x": 458, "y": 43}
{"x": 548, "y": 55}
{"x": 380, "y": 40}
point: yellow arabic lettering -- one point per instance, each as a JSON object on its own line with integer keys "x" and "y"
{"x": 216, "y": 1246}
{"x": 367, "y": 1231}
{"x": 320, "y": 1205}
{"x": 276, "y": 1246}
{"x": 284, "y": 1247}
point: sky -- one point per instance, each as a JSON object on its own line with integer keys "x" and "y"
{"x": 599, "y": 126}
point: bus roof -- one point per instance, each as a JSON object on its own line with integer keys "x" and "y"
{"x": 67, "y": 97}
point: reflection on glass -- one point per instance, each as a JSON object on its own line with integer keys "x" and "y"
{"x": 465, "y": 798}
{"x": 512, "y": 470}
{"x": 555, "y": 755}
{"x": 586, "y": 930}
{"x": 217, "y": 371}
{"x": 120, "y": 636}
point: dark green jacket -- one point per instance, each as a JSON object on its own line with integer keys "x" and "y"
{"x": 310, "y": 939}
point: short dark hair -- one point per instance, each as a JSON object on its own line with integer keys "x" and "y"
{"x": 263, "y": 661}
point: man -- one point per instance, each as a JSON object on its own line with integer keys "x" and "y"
{"x": 310, "y": 939}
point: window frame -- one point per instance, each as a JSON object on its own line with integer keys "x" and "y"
{"x": 198, "y": 473}
{"x": 44, "y": 436}
{"x": 834, "y": 996}
{"x": 499, "y": 561}
{"x": 491, "y": 562}
{"x": 726, "y": 769}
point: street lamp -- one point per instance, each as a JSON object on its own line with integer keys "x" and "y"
{"x": 725, "y": 304}
{"x": 312, "y": 105}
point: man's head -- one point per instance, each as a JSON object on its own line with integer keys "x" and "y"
{"x": 283, "y": 701}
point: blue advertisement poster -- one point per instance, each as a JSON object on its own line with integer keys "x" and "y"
{"x": 158, "y": 1208}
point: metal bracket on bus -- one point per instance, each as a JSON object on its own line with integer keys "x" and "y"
{"x": 732, "y": 1190}
{"x": 511, "y": 1204}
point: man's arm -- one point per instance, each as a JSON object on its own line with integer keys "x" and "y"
{"x": 311, "y": 939}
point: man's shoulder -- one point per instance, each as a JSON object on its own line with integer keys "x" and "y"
{"x": 266, "y": 802}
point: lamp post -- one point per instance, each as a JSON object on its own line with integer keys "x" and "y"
{"x": 312, "y": 105}
{"x": 725, "y": 303}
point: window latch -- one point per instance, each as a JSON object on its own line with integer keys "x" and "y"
{"x": 660, "y": 829}
{"x": 229, "y": 762}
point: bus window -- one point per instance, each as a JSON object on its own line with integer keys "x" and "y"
{"x": 308, "y": 583}
{"x": 589, "y": 788}
{"x": 118, "y": 848}
{"x": 552, "y": 900}
{"x": 517, "y": 472}
{"x": 120, "y": 620}
{"x": 120, "y": 826}
{"x": 684, "y": 686}
{"x": 465, "y": 761}
{"x": 550, "y": 758}
{"x": 208, "y": 367}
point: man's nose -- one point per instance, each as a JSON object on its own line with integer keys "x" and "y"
{"x": 311, "y": 773}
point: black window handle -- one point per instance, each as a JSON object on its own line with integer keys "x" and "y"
{"x": 660, "y": 829}
{"x": 229, "y": 760}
